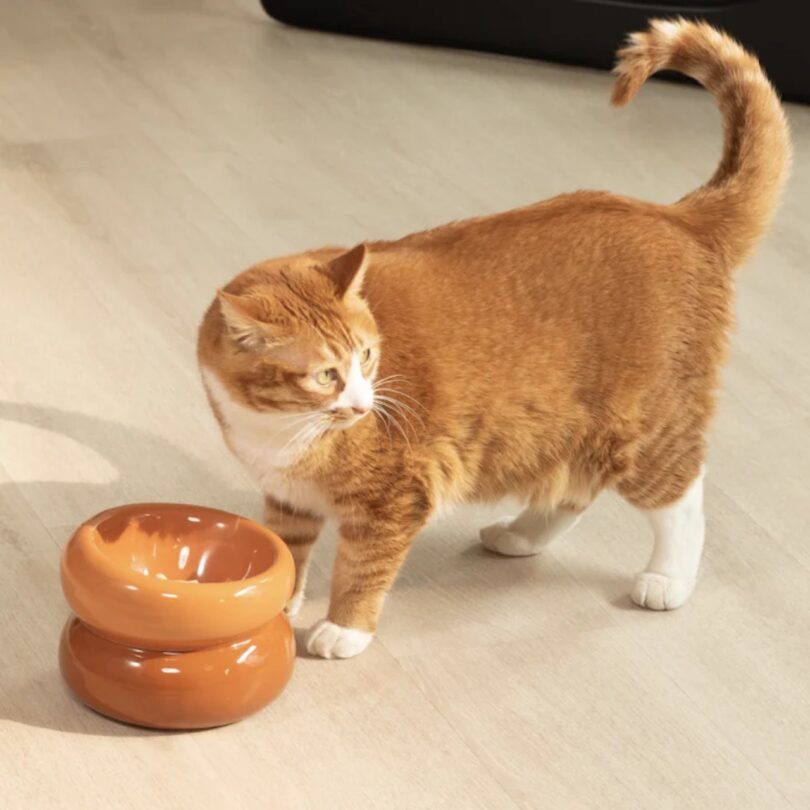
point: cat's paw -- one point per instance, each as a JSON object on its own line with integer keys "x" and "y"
{"x": 660, "y": 592}
{"x": 330, "y": 640}
{"x": 294, "y": 605}
{"x": 501, "y": 540}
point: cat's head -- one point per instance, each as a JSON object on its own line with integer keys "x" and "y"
{"x": 303, "y": 341}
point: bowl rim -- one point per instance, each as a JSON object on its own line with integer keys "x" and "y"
{"x": 89, "y": 538}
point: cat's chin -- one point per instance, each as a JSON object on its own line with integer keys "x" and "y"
{"x": 345, "y": 424}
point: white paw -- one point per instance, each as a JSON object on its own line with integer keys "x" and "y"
{"x": 660, "y": 592}
{"x": 500, "y": 539}
{"x": 330, "y": 640}
{"x": 294, "y": 605}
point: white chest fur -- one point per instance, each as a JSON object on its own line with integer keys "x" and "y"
{"x": 268, "y": 444}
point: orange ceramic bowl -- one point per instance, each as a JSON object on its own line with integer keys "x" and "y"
{"x": 175, "y": 577}
{"x": 180, "y": 620}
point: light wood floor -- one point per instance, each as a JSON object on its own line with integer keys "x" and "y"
{"x": 148, "y": 151}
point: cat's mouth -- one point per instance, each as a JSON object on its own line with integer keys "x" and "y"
{"x": 346, "y": 418}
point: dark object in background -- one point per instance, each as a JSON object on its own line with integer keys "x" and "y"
{"x": 585, "y": 32}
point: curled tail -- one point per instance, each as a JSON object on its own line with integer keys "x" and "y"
{"x": 734, "y": 208}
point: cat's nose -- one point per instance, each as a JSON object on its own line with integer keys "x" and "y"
{"x": 359, "y": 409}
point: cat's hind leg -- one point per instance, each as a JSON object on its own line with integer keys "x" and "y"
{"x": 530, "y": 532}
{"x": 679, "y": 527}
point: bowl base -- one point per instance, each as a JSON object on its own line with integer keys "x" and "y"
{"x": 194, "y": 689}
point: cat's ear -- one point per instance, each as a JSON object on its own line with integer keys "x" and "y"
{"x": 247, "y": 321}
{"x": 348, "y": 269}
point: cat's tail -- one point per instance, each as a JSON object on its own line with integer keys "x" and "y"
{"x": 734, "y": 208}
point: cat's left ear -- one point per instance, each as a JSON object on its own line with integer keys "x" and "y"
{"x": 251, "y": 321}
{"x": 348, "y": 269}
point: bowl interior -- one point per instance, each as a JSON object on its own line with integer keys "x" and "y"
{"x": 179, "y": 542}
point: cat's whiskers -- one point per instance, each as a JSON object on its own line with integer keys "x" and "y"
{"x": 297, "y": 425}
{"x": 305, "y": 434}
{"x": 315, "y": 432}
{"x": 380, "y": 408}
{"x": 386, "y": 385}
{"x": 393, "y": 408}
{"x": 389, "y": 378}
{"x": 295, "y": 421}
{"x": 402, "y": 409}
{"x": 400, "y": 404}
{"x": 383, "y": 418}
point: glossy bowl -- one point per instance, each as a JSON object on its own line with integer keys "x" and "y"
{"x": 179, "y": 615}
{"x": 175, "y": 577}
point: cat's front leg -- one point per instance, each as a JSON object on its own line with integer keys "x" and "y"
{"x": 369, "y": 555}
{"x": 299, "y": 530}
{"x": 365, "y": 568}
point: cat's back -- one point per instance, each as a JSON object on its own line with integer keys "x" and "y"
{"x": 581, "y": 254}
{"x": 568, "y": 235}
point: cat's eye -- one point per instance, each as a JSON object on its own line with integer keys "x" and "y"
{"x": 325, "y": 376}
{"x": 365, "y": 356}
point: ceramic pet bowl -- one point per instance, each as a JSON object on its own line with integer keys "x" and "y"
{"x": 179, "y": 615}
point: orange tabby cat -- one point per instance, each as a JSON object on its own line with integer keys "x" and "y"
{"x": 546, "y": 353}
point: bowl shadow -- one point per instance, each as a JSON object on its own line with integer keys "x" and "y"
{"x": 46, "y": 702}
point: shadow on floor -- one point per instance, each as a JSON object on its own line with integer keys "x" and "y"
{"x": 45, "y": 701}
{"x": 130, "y": 450}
